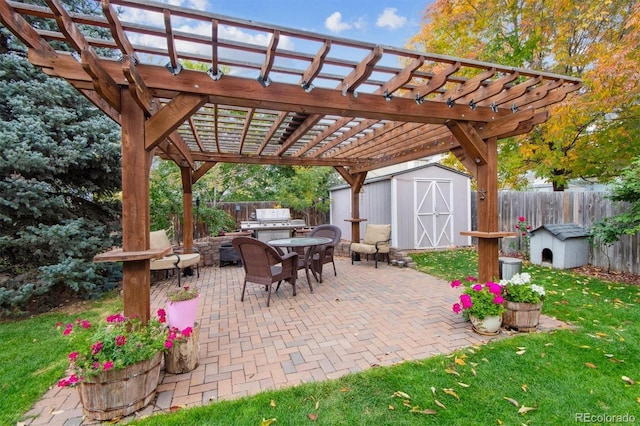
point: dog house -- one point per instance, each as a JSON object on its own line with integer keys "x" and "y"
{"x": 560, "y": 246}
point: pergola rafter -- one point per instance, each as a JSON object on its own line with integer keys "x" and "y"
{"x": 280, "y": 96}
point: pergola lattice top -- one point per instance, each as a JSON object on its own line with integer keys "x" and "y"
{"x": 282, "y": 96}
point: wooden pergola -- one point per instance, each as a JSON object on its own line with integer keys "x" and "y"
{"x": 199, "y": 88}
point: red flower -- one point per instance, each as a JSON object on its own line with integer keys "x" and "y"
{"x": 73, "y": 356}
{"x": 96, "y": 348}
{"x": 121, "y": 340}
{"x": 187, "y": 332}
{"x": 522, "y": 219}
{"x": 455, "y": 283}
{"x": 107, "y": 366}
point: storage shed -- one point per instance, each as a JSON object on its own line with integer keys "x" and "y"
{"x": 561, "y": 246}
{"x": 427, "y": 206}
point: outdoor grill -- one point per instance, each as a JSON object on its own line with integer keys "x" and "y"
{"x": 272, "y": 224}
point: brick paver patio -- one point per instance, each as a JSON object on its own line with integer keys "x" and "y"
{"x": 364, "y": 317}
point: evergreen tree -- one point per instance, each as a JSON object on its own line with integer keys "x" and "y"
{"x": 59, "y": 177}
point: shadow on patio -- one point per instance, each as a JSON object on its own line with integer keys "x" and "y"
{"x": 362, "y": 318}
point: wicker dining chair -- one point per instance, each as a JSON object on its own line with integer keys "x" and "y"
{"x": 264, "y": 265}
{"x": 324, "y": 254}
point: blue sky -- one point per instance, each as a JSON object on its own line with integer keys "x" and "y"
{"x": 386, "y": 22}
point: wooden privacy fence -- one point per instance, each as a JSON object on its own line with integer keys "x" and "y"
{"x": 582, "y": 208}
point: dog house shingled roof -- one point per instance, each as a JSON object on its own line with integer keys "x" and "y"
{"x": 564, "y": 231}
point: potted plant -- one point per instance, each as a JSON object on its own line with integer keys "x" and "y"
{"x": 482, "y": 304}
{"x": 115, "y": 365}
{"x": 523, "y": 302}
{"x": 182, "y": 305}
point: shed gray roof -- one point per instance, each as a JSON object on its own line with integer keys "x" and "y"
{"x": 564, "y": 231}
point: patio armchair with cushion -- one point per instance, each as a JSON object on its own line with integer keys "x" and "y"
{"x": 376, "y": 242}
{"x": 172, "y": 261}
{"x": 324, "y": 254}
{"x": 264, "y": 265}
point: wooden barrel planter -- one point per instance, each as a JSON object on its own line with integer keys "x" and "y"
{"x": 522, "y": 317}
{"x": 118, "y": 393}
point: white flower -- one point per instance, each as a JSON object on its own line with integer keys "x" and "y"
{"x": 538, "y": 289}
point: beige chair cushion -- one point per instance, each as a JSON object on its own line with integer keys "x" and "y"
{"x": 159, "y": 240}
{"x": 169, "y": 261}
{"x": 375, "y": 233}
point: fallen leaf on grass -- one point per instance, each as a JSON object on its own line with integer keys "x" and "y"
{"x": 317, "y": 404}
{"x": 590, "y": 365}
{"x": 525, "y": 388}
{"x": 312, "y": 417}
{"x": 628, "y": 380}
{"x": 452, "y": 393}
{"x": 473, "y": 371}
{"x": 459, "y": 361}
{"x": 464, "y": 385}
{"x": 524, "y": 410}
{"x": 513, "y": 401}
{"x": 439, "y": 404}
{"x": 391, "y": 407}
{"x": 425, "y": 411}
{"x": 267, "y": 422}
{"x": 400, "y": 394}
{"x": 273, "y": 403}
{"x": 433, "y": 390}
{"x": 521, "y": 351}
{"x": 450, "y": 371}
{"x": 344, "y": 390}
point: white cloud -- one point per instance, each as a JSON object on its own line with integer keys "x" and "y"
{"x": 335, "y": 24}
{"x": 390, "y": 19}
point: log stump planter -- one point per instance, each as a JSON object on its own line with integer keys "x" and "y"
{"x": 522, "y": 317}
{"x": 118, "y": 393}
{"x": 182, "y": 357}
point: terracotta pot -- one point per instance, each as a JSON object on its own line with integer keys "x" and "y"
{"x": 182, "y": 314}
{"x": 523, "y": 317}
{"x": 488, "y": 326}
{"x": 118, "y": 393}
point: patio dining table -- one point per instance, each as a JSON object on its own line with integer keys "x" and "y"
{"x": 305, "y": 247}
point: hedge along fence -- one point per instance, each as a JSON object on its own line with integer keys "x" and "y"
{"x": 582, "y": 208}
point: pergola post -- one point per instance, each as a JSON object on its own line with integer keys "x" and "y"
{"x": 488, "y": 214}
{"x": 136, "y": 164}
{"x": 187, "y": 206}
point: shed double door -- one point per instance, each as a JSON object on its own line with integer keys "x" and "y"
{"x": 433, "y": 213}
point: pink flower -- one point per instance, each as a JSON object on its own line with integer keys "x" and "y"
{"x": 162, "y": 315}
{"x": 187, "y": 332}
{"x": 115, "y": 318}
{"x": 121, "y": 340}
{"x": 68, "y": 329}
{"x": 494, "y": 288}
{"x": 465, "y": 299}
{"x": 471, "y": 279}
{"x": 85, "y": 324}
{"x": 455, "y": 283}
{"x": 498, "y": 300}
{"x": 173, "y": 333}
{"x": 96, "y": 348}
{"x": 73, "y": 356}
{"x": 521, "y": 219}
{"x": 96, "y": 365}
{"x": 457, "y": 308}
{"x": 71, "y": 380}
{"x": 168, "y": 344}
{"x": 477, "y": 287}
{"x": 107, "y": 366}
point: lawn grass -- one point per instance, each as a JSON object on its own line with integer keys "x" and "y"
{"x": 33, "y": 356}
{"x": 554, "y": 375}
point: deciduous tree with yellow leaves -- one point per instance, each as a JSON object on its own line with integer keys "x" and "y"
{"x": 594, "y": 133}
